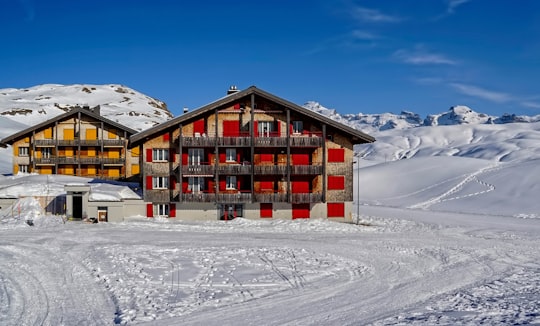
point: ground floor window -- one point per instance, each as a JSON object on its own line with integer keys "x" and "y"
{"x": 230, "y": 211}
{"x": 23, "y": 168}
{"x": 161, "y": 209}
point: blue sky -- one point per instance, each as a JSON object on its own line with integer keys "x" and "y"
{"x": 353, "y": 56}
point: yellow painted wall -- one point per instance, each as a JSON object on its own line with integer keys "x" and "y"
{"x": 46, "y": 170}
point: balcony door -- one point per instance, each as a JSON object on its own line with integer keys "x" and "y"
{"x": 195, "y": 156}
{"x": 196, "y": 184}
{"x": 265, "y": 128}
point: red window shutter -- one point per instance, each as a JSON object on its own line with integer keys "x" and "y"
{"x": 267, "y": 185}
{"x": 267, "y": 157}
{"x": 172, "y": 182}
{"x": 300, "y": 159}
{"x": 210, "y": 187}
{"x": 172, "y": 210}
{"x": 184, "y": 158}
{"x": 222, "y": 184}
{"x": 266, "y": 210}
{"x": 278, "y": 125}
{"x": 300, "y": 187}
{"x": 166, "y": 137}
{"x": 231, "y": 128}
{"x": 148, "y": 182}
{"x": 256, "y": 128}
{"x": 237, "y": 106}
{"x": 222, "y": 158}
{"x": 198, "y": 126}
{"x": 149, "y": 210}
{"x": 300, "y": 211}
{"x": 336, "y": 155}
{"x": 336, "y": 182}
{"x": 335, "y": 209}
{"x": 148, "y": 155}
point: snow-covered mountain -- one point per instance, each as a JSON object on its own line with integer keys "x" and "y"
{"x": 29, "y": 106}
{"x": 460, "y": 131}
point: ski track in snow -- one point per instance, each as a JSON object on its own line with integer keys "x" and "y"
{"x": 447, "y": 196}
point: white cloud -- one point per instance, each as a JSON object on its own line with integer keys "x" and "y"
{"x": 422, "y": 57}
{"x": 453, "y": 4}
{"x": 373, "y": 15}
{"x": 532, "y": 105}
{"x": 364, "y": 35}
{"x": 475, "y": 91}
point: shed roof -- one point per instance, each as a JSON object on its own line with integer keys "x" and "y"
{"x": 230, "y": 99}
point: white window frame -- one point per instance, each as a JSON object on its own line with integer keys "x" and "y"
{"x": 161, "y": 210}
{"x": 195, "y": 156}
{"x": 196, "y": 184}
{"x": 298, "y": 126}
{"x": 160, "y": 182}
{"x": 230, "y": 182}
{"x": 230, "y": 155}
{"x": 160, "y": 155}
{"x": 24, "y": 151}
{"x": 24, "y": 168}
{"x": 265, "y": 128}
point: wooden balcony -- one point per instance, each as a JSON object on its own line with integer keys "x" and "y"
{"x": 311, "y": 140}
{"x": 158, "y": 196}
{"x": 199, "y": 197}
{"x": 271, "y": 197}
{"x": 306, "y": 198}
{"x": 79, "y": 142}
{"x": 232, "y": 169}
{"x": 270, "y": 169}
{"x": 204, "y": 197}
{"x": 306, "y": 169}
{"x": 197, "y": 170}
{"x": 78, "y": 160}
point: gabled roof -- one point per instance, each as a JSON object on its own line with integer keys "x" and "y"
{"x": 74, "y": 111}
{"x": 364, "y": 138}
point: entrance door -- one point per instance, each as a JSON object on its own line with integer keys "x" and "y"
{"x": 102, "y": 214}
{"x": 77, "y": 207}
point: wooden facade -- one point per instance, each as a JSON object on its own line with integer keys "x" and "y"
{"x": 78, "y": 143}
{"x": 249, "y": 154}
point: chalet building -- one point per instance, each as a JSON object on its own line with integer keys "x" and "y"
{"x": 249, "y": 154}
{"x": 80, "y": 142}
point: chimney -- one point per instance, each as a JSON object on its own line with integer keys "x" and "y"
{"x": 186, "y": 110}
{"x": 233, "y": 89}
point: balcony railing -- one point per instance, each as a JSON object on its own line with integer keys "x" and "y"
{"x": 77, "y": 160}
{"x": 204, "y": 197}
{"x": 81, "y": 142}
{"x": 306, "y": 198}
{"x": 306, "y": 169}
{"x": 113, "y": 142}
{"x": 45, "y": 142}
{"x": 310, "y": 140}
{"x": 234, "y": 169}
{"x": 197, "y": 170}
{"x": 158, "y": 196}
{"x": 270, "y": 169}
{"x": 271, "y": 197}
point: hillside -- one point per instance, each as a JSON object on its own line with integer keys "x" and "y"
{"x": 118, "y": 103}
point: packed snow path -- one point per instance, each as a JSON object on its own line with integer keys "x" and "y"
{"x": 394, "y": 269}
